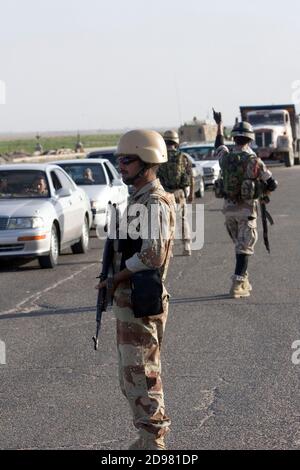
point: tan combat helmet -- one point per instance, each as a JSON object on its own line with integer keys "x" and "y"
{"x": 243, "y": 129}
{"x": 149, "y": 146}
{"x": 171, "y": 136}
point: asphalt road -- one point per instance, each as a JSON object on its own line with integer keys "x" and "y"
{"x": 228, "y": 375}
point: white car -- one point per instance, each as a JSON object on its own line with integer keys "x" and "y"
{"x": 198, "y": 177}
{"x": 42, "y": 212}
{"x": 204, "y": 156}
{"x": 102, "y": 184}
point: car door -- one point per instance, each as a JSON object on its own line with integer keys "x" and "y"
{"x": 71, "y": 219}
{"x": 113, "y": 188}
{"x": 78, "y": 203}
{"x": 119, "y": 189}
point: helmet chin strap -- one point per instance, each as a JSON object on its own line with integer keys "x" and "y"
{"x": 135, "y": 177}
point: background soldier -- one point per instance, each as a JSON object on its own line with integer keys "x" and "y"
{"x": 176, "y": 176}
{"x": 139, "y": 340}
{"x": 243, "y": 177}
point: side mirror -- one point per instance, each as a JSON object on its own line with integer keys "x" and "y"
{"x": 64, "y": 192}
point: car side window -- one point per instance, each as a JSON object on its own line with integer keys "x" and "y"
{"x": 65, "y": 182}
{"x": 114, "y": 170}
{"x": 55, "y": 181}
{"x": 109, "y": 173}
{"x": 116, "y": 175}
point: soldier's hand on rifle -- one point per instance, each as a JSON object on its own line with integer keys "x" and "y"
{"x": 119, "y": 277}
{"x": 101, "y": 284}
{"x": 265, "y": 198}
{"x": 217, "y": 117}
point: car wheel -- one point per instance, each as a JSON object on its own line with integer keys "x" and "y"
{"x": 83, "y": 244}
{"x": 200, "y": 192}
{"x": 51, "y": 260}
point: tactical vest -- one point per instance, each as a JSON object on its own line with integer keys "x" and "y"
{"x": 128, "y": 246}
{"x": 172, "y": 174}
{"x": 237, "y": 185}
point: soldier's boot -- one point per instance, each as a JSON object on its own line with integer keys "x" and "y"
{"x": 247, "y": 283}
{"x": 187, "y": 248}
{"x": 239, "y": 289}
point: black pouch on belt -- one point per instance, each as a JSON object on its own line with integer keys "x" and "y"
{"x": 146, "y": 293}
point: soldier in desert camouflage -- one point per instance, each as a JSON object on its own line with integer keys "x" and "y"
{"x": 176, "y": 176}
{"x": 243, "y": 175}
{"x": 139, "y": 340}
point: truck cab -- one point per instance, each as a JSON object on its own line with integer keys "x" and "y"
{"x": 276, "y": 131}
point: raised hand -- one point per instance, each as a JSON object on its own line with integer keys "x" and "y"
{"x": 217, "y": 117}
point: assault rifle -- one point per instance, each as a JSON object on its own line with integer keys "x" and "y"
{"x": 265, "y": 217}
{"x": 105, "y": 298}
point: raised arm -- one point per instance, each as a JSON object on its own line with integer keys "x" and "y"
{"x": 220, "y": 134}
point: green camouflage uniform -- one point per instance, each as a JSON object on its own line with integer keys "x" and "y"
{"x": 241, "y": 215}
{"x": 139, "y": 340}
{"x": 176, "y": 176}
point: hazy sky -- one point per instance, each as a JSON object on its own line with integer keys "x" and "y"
{"x": 128, "y": 63}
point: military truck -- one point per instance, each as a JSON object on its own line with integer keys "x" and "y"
{"x": 277, "y": 133}
{"x": 197, "y": 131}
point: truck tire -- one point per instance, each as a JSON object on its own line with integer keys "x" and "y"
{"x": 289, "y": 159}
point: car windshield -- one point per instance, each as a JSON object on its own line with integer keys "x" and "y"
{"x": 200, "y": 153}
{"x": 23, "y": 184}
{"x": 85, "y": 174}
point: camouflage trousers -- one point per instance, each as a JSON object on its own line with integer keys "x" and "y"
{"x": 181, "y": 215}
{"x": 243, "y": 232}
{"x": 139, "y": 345}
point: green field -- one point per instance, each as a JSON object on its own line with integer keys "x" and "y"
{"x": 52, "y": 143}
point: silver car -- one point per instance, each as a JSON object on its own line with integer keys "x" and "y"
{"x": 42, "y": 212}
{"x": 204, "y": 156}
{"x": 102, "y": 184}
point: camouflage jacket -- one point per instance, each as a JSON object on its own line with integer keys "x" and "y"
{"x": 176, "y": 173}
{"x": 156, "y": 211}
{"x": 255, "y": 169}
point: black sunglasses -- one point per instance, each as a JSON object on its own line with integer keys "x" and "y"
{"x": 127, "y": 160}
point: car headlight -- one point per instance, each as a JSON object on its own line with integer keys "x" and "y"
{"x": 97, "y": 206}
{"x": 25, "y": 222}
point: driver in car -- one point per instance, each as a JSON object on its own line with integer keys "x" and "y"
{"x": 39, "y": 186}
{"x": 88, "y": 176}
